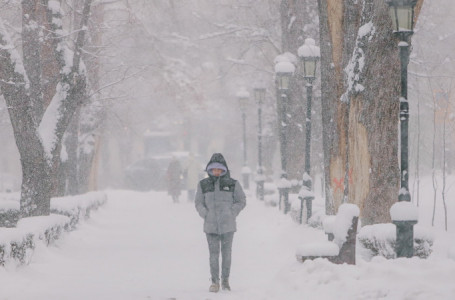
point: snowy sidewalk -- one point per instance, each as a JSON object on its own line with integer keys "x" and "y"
{"x": 142, "y": 246}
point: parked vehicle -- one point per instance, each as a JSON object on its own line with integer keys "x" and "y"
{"x": 149, "y": 173}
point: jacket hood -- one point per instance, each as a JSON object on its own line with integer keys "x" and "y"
{"x": 217, "y": 158}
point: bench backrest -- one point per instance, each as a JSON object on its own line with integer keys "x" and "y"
{"x": 344, "y": 229}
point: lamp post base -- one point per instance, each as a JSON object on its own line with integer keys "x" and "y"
{"x": 309, "y": 206}
{"x": 284, "y": 198}
{"x": 405, "y": 238}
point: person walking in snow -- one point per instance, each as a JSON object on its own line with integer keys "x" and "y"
{"x": 173, "y": 179}
{"x": 219, "y": 200}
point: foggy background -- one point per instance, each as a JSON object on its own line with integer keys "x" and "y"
{"x": 176, "y": 66}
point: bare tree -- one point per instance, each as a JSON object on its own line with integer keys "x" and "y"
{"x": 82, "y": 135}
{"x": 446, "y": 123}
{"x": 444, "y": 163}
{"x": 433, "y": 161}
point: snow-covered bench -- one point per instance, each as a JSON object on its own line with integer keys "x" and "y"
{"x": 342, "y": 248}
{"x": 327, "y": 223}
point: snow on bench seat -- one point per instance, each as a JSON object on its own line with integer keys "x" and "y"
{"x": 342, "y": 249}
{"x": 325, "y": 248}
{"x": 327, "y": 223}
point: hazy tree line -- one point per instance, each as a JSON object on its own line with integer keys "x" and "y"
{"x": 139, "y": 65}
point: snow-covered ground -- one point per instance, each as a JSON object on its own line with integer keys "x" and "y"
{"x": 142, "y": 246}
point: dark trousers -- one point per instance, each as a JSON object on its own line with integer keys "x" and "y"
{"x": 217, "y": 241}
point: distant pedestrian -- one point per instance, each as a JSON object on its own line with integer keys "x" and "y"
{"x": 174, "y": 179}
{"x": 192, "y": 171}
{"x": 219, "y": 199}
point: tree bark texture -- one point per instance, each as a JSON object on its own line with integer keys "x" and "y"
{"x": 360, "y": 102}
{"x": 82, "y": 135}
{"x": 21, "y": 86}
{"x": 93, "y": 112}
{"x": 298, "y": 22}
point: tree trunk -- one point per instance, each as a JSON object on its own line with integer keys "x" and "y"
{"x": 76, "y": 167}
{"x": 360, "y": 112}
{"x": 37, "y": 185}
{"x": 38, "y": 128}
{"x": 32, "y": 44}
{"x": 71, "y": 167}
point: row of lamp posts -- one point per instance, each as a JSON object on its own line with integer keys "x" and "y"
{"x": 259, "y": 95}
{"x": 309, "y": 55}
{"x": 243, "y": 96}
{"x": 284, "y": 70}
{"x": 402, "y": 14}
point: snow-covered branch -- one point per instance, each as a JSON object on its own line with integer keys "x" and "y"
{"x": 10, "y": 60}
{"x": 70, "y": 90}
{"x": 123, "y": 78}
{"x": 356, "y": 64}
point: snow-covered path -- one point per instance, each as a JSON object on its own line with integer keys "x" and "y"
{"x": 142, "y": 246}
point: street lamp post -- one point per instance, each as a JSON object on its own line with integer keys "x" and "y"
{"x": 284, "y": 71}
{"x": 402, "y": 14}
{"x": 309, "y": 55}
{"x": 243, "y": 96}
{"x": 259, "y": 95}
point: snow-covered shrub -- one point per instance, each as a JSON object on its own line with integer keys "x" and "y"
{"x": 423, "y": 241}
{"x": 77, "y": 207}
{"x": 44, "y": 228}
{"x": 9, "y": 217}
{"x": 9, "y": 209}
{"x": 317, "y": 219}
{"x": 17, "y": 244}
{"x": 21, "y": 251}
{"x": 380, "y": 240}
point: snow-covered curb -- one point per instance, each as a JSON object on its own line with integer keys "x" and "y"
{"x": 17, "y": 244}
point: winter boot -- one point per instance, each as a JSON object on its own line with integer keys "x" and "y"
{"x": 225, "y": 284}
{"x": 215, "y": 287}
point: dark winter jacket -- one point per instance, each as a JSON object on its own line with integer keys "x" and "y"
{"x": 219, "y": 200}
